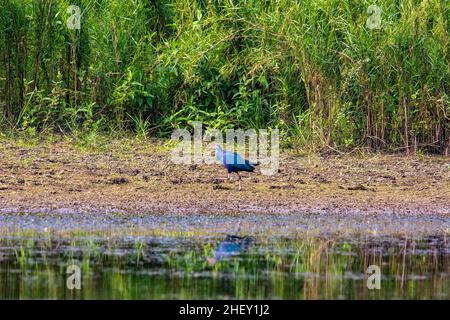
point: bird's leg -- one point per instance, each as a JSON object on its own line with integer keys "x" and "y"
{"x": 240, "y": 181}
{"x": 229, "y": 176}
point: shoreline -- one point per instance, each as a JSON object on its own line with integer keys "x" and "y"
{"x": 329, "y": 226}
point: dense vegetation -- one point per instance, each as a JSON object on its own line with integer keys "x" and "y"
{"x": 312, "y": 68}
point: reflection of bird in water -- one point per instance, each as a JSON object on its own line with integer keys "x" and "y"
{"x": 231, "y": 246}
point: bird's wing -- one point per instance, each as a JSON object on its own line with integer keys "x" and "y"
{"x": 233, "y": 158}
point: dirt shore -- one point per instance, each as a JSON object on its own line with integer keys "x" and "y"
{"x": 132, "y": 176}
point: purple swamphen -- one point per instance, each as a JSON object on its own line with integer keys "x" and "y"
{"x": 233, "y": 162}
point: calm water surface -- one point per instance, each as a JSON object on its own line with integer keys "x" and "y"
{"x": 145, "y": 261}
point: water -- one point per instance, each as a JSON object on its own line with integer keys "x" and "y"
{"x": 178, "y": 257}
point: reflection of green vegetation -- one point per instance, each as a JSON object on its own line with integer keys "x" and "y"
{"x": 304, "y": 268}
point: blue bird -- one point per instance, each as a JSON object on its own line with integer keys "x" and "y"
{"x": 233, "y": 162}
{"x": 230, "y": 247}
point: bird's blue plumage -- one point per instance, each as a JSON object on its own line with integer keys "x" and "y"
{"x": 233, "y": 162}
{"x": 232, "y": 246}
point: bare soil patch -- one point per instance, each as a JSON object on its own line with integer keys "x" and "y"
{"x": 134, "y": 176}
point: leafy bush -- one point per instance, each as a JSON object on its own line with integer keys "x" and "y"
{"x": 312, "y": 68}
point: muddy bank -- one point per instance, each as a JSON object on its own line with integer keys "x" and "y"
{"x": 133, "y": 177}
